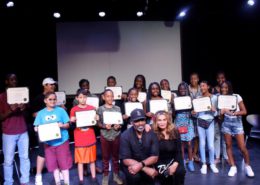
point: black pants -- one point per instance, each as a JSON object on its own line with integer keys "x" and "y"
{"x": 138, "y": 179}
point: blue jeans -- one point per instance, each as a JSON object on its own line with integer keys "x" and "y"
{"x": 209, "y": 135}
{"x": 219, "y": 142}
{"x": 9, "y": 145}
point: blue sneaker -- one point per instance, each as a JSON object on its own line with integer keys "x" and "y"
{"x": 191, "y": 166}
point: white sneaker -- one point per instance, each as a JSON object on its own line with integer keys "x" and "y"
{"x": 214, "y": 168}
{"x": 232, "y": 171}
{"x": 203, "y": 169}
{"x": 249, "y": 171}
{"x": 38, "y": 180}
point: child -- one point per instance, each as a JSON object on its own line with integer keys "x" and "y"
{"x": 14, "y": 134}
{"x": 219, "y": 138}
{"x": 207, "y": 133}
{"x": 132, "y": 97}
{"x": 154, "y": 93}
{"x": 109, "y": 137}
{"x": 183, "y": 118}
{"x": 165, "y": 85}
{"x": 195, "y": 91}
{"x": 85, "y": 139}
{"x": 57, "y": 152}
{"x": 140, "y": 83}
{"x": 233, "y": 126}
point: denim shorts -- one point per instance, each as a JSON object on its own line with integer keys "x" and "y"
{"x": 232, "y": 126}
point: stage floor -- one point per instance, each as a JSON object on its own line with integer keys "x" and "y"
{"x": 194, "y": 178}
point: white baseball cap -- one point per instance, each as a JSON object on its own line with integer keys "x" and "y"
{"x": 48, "y": 81}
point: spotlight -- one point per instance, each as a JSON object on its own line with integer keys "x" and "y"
{"x": 139, "y": 14}
{"x": 251, "y": 2}
{"x": 102, "y": 14}
{"x": 182, "y": 14}
{"x": 10, "y": 4}
{"x": 56, "y": 15}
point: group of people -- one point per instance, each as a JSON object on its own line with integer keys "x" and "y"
{"x": 151, "y": 147}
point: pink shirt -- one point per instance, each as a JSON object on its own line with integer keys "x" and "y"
{"x": 13, "y": 124}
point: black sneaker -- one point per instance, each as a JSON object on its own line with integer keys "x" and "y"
{"x": 94, "y": 181}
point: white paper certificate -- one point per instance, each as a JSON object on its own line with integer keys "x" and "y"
{"x": 182, "y": 103}
{"x": 112, "y": 118}
{"x": 201, "y": 104}
{"x": 227, "y": 102}
{"x": 48, "y": 132}
{"x": 17, "y": 95}
{"x": 117, "y": 92}
{"x": 93, "y": 101}
{"x": 61, "y": 98}
{"x": 85, "y": 118}
{"x": 141, "y": 96}
{"x": 157, "y": 105}
{"x": 167, "y": 95}
{"x": 130, "y": 106}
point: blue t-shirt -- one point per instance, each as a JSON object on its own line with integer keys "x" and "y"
{"x": 59, "y": 115}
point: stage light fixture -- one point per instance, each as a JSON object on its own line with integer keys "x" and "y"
{"x": 56, "y": 15}
{"x": 10, "y": 4}
{"x": 251, "y": 2}
{"x": 102, "y": 14}
{"x": 182, "y": 14}
{"x": 139, "y": 13}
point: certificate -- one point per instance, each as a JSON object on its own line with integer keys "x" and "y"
{"x": 201, "y": 104}
{"x": 167, "y": 95}
{"x": 17, "y": 95}
{"x": 93, "y": 101}
{"x": 157, "y": 105}
{"x": 85, "y": 118}
{"x": 141, "y": 96}
{"x": 182, "y": 103}
{"x": 227, "y": 102}
{"x": 48, "y": 132}
{"x": 112, "y": 118}
{"x": 61, "y": 98}
{"x": 130, "y": 106}
{"x": 117, "y": 92}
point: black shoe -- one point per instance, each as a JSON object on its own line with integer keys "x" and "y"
{"x": 94, "y": 181}
{"x": 81, "y": 182}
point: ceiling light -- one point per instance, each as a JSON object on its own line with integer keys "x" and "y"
{"x": 102, "y": 14}
{"x": 10, "y": 4}
{"x": 139, "y": 14}
{"x": 251, "y": 2}
{"x": 182, "y": 14}
{"x": 56, "y": 15}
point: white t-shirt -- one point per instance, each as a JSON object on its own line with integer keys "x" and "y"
{"x": 239, "y": 99}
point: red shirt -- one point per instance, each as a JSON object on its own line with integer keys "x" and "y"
{"x": 83, "y": 138}
{"x": 13, "y": 124}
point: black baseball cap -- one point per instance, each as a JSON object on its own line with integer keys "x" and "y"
{"x": 137, "y": 114}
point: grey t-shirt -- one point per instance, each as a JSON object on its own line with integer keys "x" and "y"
{"x": 111, "y": 134}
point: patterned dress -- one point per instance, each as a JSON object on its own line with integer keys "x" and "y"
{"x": 183, "y": 118}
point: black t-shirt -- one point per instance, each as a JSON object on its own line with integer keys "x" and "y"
{"x": 170, "y": 150}
{"x": 133, "y": 148}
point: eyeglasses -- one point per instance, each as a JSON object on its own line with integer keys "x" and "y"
{"x": 51, "y": 99}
